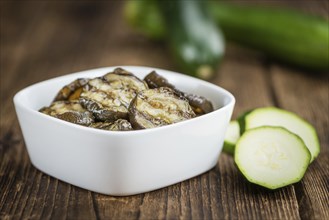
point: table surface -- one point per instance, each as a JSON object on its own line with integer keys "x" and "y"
{"x": 41, "y": 40}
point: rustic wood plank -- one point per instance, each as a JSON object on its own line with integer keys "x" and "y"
{"x": 248, "y": 80}
{"x": 80, "y": 204}
{"x": 292, "y": 88}
{"x": 173, "y": 202}
{"x": 154, "y": 205}
{"x": 74, "y": 36}
{"x": 118, "y": 207}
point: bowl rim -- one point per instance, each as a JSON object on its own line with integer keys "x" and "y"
{"x": 18, "y": 96}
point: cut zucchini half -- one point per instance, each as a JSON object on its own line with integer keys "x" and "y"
{"x": 272, "y": 116}
{"x": 271, "y": 157}
{"x": 231, "y": 137}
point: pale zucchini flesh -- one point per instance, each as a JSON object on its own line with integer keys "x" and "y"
{"x": 271, "y": 116}
{"x": 271, "y": 157}
{"x": 231, "y": 137}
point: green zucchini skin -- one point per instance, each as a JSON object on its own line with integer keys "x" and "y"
{"x": 242, "y": 122}
{"x": 231, "y": 137}
{"x": 286, "y": 35}
{"x": 194, "y": 39}
{"x": 145, "y": 17}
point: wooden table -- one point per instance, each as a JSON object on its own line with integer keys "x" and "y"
{"x": 41, "y": 40}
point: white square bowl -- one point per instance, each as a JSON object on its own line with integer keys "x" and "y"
{"x": 123, "y": 163}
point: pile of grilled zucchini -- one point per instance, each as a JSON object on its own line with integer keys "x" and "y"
{"x": 120, "y": 101}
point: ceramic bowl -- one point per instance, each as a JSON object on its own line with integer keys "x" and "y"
{"x": 123, "y": 163}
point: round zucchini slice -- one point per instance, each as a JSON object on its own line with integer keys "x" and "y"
{"x": 121, "y": 79}
{"x": 158, "y": 107}
{"x": 271, "y": 157}
{"x": 272, "y": 116}
{"x": 70, "y": 111}
{"x": 71, "y": 91}
{"x": 109, "y": 97}
{"x": 199, "y": 104}
{"x": 155, "y": 80}
{"x": 231, "y": 137}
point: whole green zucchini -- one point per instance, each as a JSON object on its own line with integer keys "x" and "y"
{"x": 193, "y": 38}
{"x": 286, "y": 35}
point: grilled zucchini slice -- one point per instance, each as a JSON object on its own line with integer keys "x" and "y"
{"x": 71, "y": 91}
{"x": 199, "y": 104}
{"x": 109, "y": 97}
{"x": 70, "y": 111}
{"x": 158, "y": 107}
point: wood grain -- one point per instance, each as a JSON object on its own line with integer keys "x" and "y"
{"x": 290, "y": 88}
{"x": 41, "y": 40}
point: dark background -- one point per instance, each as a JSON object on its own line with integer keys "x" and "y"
{"x": 45, "y": 39}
